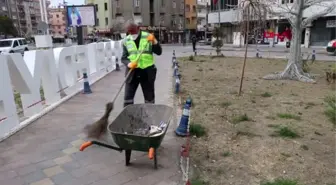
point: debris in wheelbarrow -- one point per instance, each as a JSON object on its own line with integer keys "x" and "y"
{"x": 139, "y": 127}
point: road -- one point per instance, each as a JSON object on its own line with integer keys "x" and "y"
{"x": 227, "y": 50}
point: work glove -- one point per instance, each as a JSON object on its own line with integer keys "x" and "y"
{"x": 132, "y": 65}
{"x": 151, "y": 38}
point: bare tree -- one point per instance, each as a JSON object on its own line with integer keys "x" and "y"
{"x": 294, "y": 14}
{"x": 251, "y": 19}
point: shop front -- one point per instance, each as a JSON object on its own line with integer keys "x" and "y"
{"x": 175, "y": 36}
{"x": 323, "y": 31}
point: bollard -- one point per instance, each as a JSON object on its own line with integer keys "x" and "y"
{"x": 174, "y": 62}
{"x": 175, "y": 70}
{"x": 257, "y": 54}
{"x": 117, "y": 65}
{"x": 87, "y": 89}
{"x": 313, "y": 56}
{"x": 174, "y": 53}
{"x": 182, "y": 129}
{"x": 195, "y": 52}
{"x": 177, "y": 84}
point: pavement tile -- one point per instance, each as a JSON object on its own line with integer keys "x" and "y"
{"x": 63, "y": 159}
{"x": 15, "y": 181}
{"x": 45, "y": 164}
{"x": 46, "y": 181}
{"x": 70, "y": 150}
{"x": 8, "y": 175}
{"x": 26, "y": 169}
{"x": 33, "y": 177}
{"x": 80, "y": 172}
{"x": 62, "y": 178}
{"x": 52, "y": 171}
{"x": 70, "y": 166}
{"x": 77, "y": 143}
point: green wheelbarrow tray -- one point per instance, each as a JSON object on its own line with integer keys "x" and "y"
{"x": 132, "y": 119}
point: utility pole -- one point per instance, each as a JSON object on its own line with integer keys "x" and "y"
{"x": 184, "y": 24}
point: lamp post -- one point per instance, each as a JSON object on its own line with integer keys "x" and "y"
{"x": 184, "y": 24}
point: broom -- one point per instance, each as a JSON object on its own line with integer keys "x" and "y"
{"x": 98, "y": 128}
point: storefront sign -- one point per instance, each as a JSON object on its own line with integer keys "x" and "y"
{"x": 331, "y": 24}
{"x": 153, "y": 28}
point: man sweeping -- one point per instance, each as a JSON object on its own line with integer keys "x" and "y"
{"x": 138, "y": 49}
{"x": 138, "y": 55}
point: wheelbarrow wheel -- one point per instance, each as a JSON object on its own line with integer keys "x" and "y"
{"x": 128, "y": 157}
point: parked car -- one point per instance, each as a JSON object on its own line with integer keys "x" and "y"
{"x": 13, "y": 45}
{"x": 331, "y": 47}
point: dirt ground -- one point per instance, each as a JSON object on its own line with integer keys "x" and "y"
{"x": 242, "y": 145}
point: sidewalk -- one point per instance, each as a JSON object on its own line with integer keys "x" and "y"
{"x": 46, "y": 152}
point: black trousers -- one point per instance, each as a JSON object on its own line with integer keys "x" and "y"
{"x": 194, "y": 46}
{"x": 146, "y": 78}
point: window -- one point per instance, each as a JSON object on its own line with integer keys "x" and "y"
{"x": 194, "y": 8}
{"x": 136, "y": 3}
{"x": 182, "y": 5}
{"x": 96, "y": 7}
{"x": 4, "y": 8}
{"x": 286, "y": 1}
{"x": 97, "y": 22}
{"x": 106, "y": 21}
{"x": 188, "y": 21}
{"x": 187, "y": 8}
{"x": 57, "y": 15}
{"x": 105, "y": 6}
{"x": 174, "y": 4}
{"x": 117, "y": 4}
{"x": 59, "y": 27}
{"x": 60, "y": 32}
{"x": 20, "y": 42}
{"x": 16, "y": 44}
{"x": 162, "y": 3}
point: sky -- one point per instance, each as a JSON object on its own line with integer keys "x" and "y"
{"x": 70, "y": 2}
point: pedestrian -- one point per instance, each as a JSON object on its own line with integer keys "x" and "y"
{"x": 194, "y": 40}
{"x": 144, "y": 69}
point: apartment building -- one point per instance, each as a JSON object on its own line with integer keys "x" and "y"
{"x": 25, "y": 14}
{"x": 202, "y": 18}
{"x": 319, "y": 33}
{"x": 191, "y": 17}
{"x": 104, "y": 16}
{"x": 164, "y": 18}
{"x": 4, "y": 8}
{"x": 58, "y": 24}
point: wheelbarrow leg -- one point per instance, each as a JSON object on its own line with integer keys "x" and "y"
{"x": 128, "y": 157}
{"x": 155, "y": 159}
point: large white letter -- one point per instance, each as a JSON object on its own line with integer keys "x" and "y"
{"x": 8, "y": 116}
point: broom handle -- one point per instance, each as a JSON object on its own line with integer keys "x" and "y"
{"x": 128, "y": 74}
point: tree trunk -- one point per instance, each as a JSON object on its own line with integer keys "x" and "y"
{"x": 293, "y": 70}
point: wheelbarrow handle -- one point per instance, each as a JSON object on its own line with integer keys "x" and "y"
{"x": 89, "y": 143}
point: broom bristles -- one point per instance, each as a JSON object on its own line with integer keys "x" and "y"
{"x": 98, "y": 128}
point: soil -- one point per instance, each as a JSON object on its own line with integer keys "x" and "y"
{"x": 249, "y": 152}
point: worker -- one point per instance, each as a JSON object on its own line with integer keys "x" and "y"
{"x": 143, "y": 67}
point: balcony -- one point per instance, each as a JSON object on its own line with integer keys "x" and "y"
{"x": 137, "y": 10}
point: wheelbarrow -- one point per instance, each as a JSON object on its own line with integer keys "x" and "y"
{"x": 133, "y": 130}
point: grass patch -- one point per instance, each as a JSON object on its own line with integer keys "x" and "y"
{"x": 285, "y": 132}
{"x": 270, "y": 117}
{"x": 226, "y": 154}
{"x": 288, "y": 116}
{"x": 240, "y": 118}
{"x": 197, "y": 130}
{"x": 198, "y": 182}
{"x": 245, "y": 133}
{"x": 281, "y": 182}
{"x": 330, "y": 111}
{"x": 225, "y": 104}
{"x": 266, "y": 94}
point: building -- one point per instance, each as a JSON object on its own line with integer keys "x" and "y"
{"x": 202, "y": 18}
{"x": 191, "y": 17}
{"x": 164, "y": 18}
{"x": 319, "y": 33}
{"x": 4, "y": 8}
{"x": 58, "y": 24}
{"x": 104, "y": 16}
{"x": 25, "y": 14}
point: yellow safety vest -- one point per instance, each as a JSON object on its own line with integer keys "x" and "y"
{"x": 146, "y": 59}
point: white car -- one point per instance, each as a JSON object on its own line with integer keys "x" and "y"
{"x": 331, "y": 47}
{"x": 13, "y": 45}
